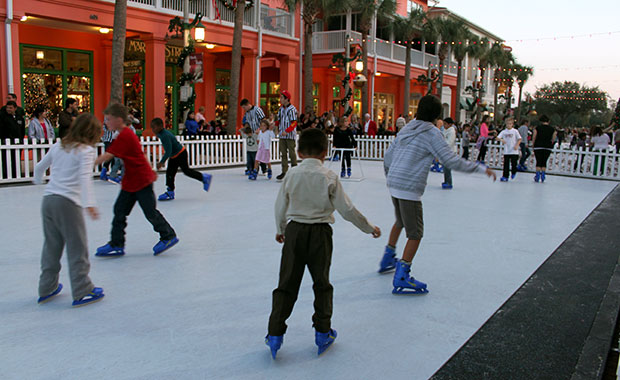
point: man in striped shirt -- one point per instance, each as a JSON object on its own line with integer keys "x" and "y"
{"x": 253, "y": 116}
{"x": 107, "y": 138}
{"x": 287, "y": 124}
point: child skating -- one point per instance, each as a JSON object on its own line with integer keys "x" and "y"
{"x": 304, "y": 209}
{"x": 137, "y": 185}
{"x": 344, "y": 138}
{"x": 69, "y": 190}
{"x": 406, "y": 166}
{"x": 263, "y": 155}
{"x": 176, "y": 155}
{"x": 511, "y": 138}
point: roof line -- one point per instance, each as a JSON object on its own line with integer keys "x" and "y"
{"x": 466, "y": 21}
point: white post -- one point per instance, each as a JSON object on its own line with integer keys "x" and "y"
{"x": 258, "y": 56}
{"x": 9, "y": 45}
{"x": 374, "y": 71}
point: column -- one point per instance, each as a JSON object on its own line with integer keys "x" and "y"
{"x": 154, "y": 81}
{"x": 288, "y": 76}
{"x": 248, "y": 71}
{"x": 208, "y": 63}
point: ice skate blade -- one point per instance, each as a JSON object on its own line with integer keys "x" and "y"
{"x": 322, "y": 349}
{"x": 386, "y": 270}
{"x": 88, "y": 303}
{"x": 408, "y": 291}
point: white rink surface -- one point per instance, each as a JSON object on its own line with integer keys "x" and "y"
{"x": 200, "y": 310}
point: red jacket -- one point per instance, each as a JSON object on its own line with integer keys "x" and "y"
{"x": 372, "y": 128}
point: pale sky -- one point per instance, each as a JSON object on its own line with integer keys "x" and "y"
{"x": 529, "y": 20}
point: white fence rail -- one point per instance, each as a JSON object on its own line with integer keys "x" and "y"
{"x": 18, "y": 158}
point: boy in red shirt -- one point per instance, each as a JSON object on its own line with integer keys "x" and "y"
{"x": 137, "y": 185}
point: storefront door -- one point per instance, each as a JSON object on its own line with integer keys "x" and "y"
{"x": 384, "y": 111}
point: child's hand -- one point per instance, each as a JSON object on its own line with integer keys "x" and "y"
{"x": 159, "y": 165}
{"x": 376, "y": 233}
{"x": 93, "y": 212}
{"x": 491, "y": 173}
{"x": 280, "y": 238}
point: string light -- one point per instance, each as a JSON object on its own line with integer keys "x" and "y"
{"x": 567, "y": 97}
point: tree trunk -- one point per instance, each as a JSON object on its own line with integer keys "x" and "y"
{"x": 308, "y": 83}
{"x": 365, "y": 72}
{"x": 441, "y": 54}
{"x": 519, "y": 104}
{"x": 235, "y": 68}
{"x": 118, "y": 51}
{"x": 495, "y": 113}
{"x": 459, "y": 75}
{"x": 407, "y": 80}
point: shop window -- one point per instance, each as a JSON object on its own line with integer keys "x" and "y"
{"x": 315, "y": 97}
{"x": 384, "y": 110}
{"x": 270, "y": 97}
{"x": 336, "y": 91}
{"x": 42, "y": 58}
{"x": 50, "y": 75}
{"x": 222, "y": 93}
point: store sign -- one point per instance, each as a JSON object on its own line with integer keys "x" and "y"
{"x": 136, "y": 50}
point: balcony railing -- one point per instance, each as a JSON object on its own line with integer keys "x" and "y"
{"x": 334, "y": 42}
{"x": 272, "y": 20}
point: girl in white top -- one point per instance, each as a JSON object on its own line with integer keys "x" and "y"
{"x": 40, "y": 127}
{"x": 69, "y": 190}
{"x": 264, "y": 152}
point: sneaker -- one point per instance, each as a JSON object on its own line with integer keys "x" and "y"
{"x": 206, "y": 180}
{"x": 446, "y": 186}
{"x": 95, "y": 295}
{"x": 504, "y": 179}
{"x": 167, "y": 196}
{"x": 163, "y": 245}
{"x": 274, "y": 343}
{"x": 269, "y": 174}
{"x": 280, "y": 177}
{"x": 48, "y": 297}
{"x": 109, "y": 251}
{"x": 104, "y": 174}
{"x": 324, "y": 340}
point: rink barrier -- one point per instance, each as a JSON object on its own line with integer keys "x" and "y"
{"x": 206, "y": 152}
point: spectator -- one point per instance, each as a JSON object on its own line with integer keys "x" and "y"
{"x": 400, "y": 122}
{"x": 200, "y": 115}
{"x": 19, "y": 111}
{"x": 356, "y": 127}
{"x": 11, "y": 127}
{"x": 66, "y": 117}
{"x": 40, "y": 127}
{"x": 191, "y": 126}
{"x": 370, "y": 127}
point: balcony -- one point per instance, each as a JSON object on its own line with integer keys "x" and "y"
{"x": 334, "y": 42}
{"x": 273, "y": 21}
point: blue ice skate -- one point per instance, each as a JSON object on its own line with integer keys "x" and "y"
{"x": 504, "y": 179}
{"x": 446, "y": 186}
{"x": 95, "y": 295}
{"x": 247, "y": 172}
{"x": 388, "y": 262}
{"x": 513, "y": 176}
{"x": 269, "y": 174}
{"x": 537, "y": 177}
{"x": 542, "y": 176}
{"x": 117, "y": 180}
{"x": 48, "y": 297}
{"x": 104, "y": 174}
{"x": 403, "y": 281}
{"x": 349, "y": 172}
{"x": 324, "y": 340}
{"x": 253, "y": 175}
{"x": 206, "y": 180}
{"x": 163, "y": 245}
{"x": 109, "y": 251}
{"x": 274, "y": 343}
{"x": 343, "y": 173}
{"x": 167, "y": 196}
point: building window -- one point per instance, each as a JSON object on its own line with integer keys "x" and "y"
{"x": 412, "y": 6}
{"x": 222, "y": 93}
{"x": 270, "y": 97}
{"x": 51, "y": 75}
{"x": 315, "y": 97}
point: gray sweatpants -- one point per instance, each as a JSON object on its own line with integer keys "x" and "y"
{"x": 63, "y": 224}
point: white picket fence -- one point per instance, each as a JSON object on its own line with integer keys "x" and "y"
{"x": 221, "y": 151}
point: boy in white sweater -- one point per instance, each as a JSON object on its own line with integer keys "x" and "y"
{"x": 406, "y": 165}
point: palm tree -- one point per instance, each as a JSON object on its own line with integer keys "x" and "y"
{"x": 312, "y": 9}
{"x": 499, "y": 59}
{"x": 118, "y": 51}
{"x": 478, "y": 48}
{"x": 235, "y": 67}
{"x": 459, "y": 50}
{"x": 368, "y": 9}
{"x": 448, "y": 30}
{"x": 408, "y": 28}
{"x": 524, "y": 73}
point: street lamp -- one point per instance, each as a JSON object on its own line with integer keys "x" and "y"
{"x": 359, "y": 66}
{"x": 199, "y": 32}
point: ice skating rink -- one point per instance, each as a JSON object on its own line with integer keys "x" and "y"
{"x": 200, "y": 310}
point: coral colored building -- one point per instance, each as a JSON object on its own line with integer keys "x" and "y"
{"x": 51, "y": 50}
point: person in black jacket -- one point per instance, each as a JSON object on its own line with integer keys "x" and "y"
{"x": 344, "y": 138}
{"x": 12, "y": 126}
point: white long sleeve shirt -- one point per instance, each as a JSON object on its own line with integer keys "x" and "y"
{"x": 310, "y": 193}
{"x": 71, "y": 173}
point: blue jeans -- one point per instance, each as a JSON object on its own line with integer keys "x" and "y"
{"x": 250, "y": 158}
{"x": 525, "y": 153}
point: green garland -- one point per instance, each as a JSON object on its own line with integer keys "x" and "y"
{"x": 189, "y": 104}
{"x": 229, "y": 4}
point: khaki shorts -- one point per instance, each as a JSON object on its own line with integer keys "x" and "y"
{"x": 409, "y": 215}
